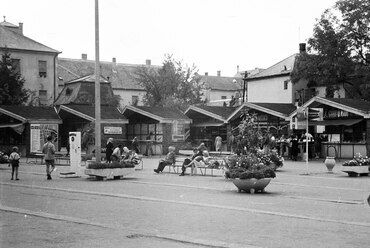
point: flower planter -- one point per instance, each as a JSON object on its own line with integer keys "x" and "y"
{"x": 251, "y": 185}
{"x": 109, "y": 173}
{"x": 354, "y": 171}
{"x": 330, "y": 163}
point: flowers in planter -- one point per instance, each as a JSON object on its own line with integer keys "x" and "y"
{"x": 358, "y": 160}
{"x": 113, "y": 165}
{"x": 249, "y": 166}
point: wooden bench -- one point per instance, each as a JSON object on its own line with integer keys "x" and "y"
{"x": 202, "y": 168}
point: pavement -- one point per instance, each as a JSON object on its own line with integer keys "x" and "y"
{"x": 304, "y": 206}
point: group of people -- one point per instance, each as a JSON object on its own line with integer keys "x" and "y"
{"x": 200, "y": 155}
{"x": 122, "y": 155}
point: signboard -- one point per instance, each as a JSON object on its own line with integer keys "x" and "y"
{"x": 35, "y": 138}
{"x": 112, "y": 130}
{"x": 301, "y": 118}
{"x": 39, "y": 134}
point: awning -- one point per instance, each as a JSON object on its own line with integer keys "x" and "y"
{"x": 19, "y": 128}
{"x": 348, "y": 122}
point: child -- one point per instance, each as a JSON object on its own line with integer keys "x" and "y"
{"x": 14, "y": 161}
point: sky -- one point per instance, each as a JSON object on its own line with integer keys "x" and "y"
{"x": 213, "y": 35}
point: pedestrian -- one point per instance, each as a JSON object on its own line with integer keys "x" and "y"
{"x": 14, "y": 161}
{"x": 149, "y": 144}
{"x": 168, "y": 160}
{"x": 49, "y": 150}
{"x": 218, "y": 143}
{"x": 318, "y": 141}
{"x": 295, "y": 148}
{"x": 135, "y": 145}
{"x": 109, "y": 150}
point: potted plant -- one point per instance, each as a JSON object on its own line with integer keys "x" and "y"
{"x": 3, "y": 158}
{"x": 250, "y": 172}
{"x": 252, "y": 169}
{"x": 114, "y": 170}
{"x": 359, "y": 165}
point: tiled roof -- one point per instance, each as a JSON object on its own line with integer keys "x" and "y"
{"x": 224, "y": 112}
{"x": 31, "y": 112}
{"x": 281, "y": 68}
{"x": 107, "y": 112}
{"x": 222, "y": 83}
{"x": 13, "y": 40}
{"x": 120, "y": 75}
{"x": 166, "y": 113}
{"x": 284, "y": 108}
{"x": 353, "y": 103}
{"x": 82, "y": 91}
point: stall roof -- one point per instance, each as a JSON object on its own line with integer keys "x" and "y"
{"x": 281, "y": 110}
{"x": 161, "y": 114}
{"x": 216, "y": 112}
{"x": 31, "y": 114}
{"x": 355, "y": 106}
{"x": 109, "y": 114}
{"x": 345, "y": 122}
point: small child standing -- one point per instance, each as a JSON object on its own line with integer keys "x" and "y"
{"x": 14, "y": 161}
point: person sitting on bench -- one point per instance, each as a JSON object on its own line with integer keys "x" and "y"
{"x": 168, "y": 160}
{"x": 200, "y": 160}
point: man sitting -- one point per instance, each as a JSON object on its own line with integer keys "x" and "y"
{"x": 168, "y": 160}
{"x": 129, "y": 157}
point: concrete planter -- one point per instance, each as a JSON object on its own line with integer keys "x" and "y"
{"x": 251, "y": 185}
{"x": 354, "y": 171}
{"x": 109, "y": 173}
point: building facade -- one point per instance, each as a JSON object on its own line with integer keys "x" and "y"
{"x": 35, "y": 62}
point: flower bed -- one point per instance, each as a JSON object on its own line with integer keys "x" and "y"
{"x": 113, "y": 165}
{"x": 359, "y": 165}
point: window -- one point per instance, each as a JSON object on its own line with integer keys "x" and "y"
{"x": 43, "y": 96}
{"x": 42, "y": 68}
{"x": 285, "y": 84}
{"x": 135, "y": 100}
{"x": 16, "y": 65}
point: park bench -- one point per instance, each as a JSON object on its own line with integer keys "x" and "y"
{"x": 176, "y": 167}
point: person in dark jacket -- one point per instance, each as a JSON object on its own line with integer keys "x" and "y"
{"x": 109, "y": 150}
{"x": 294, "y": 149}
{"x": 135, "y": 145}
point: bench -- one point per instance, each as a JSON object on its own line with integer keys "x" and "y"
{"x": 176, "y": 167}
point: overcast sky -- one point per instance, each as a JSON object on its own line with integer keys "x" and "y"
{"x": 212, "y": 34}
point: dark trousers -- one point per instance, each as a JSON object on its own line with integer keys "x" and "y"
{"x": 163, "y": 164}
{"x": 184, "y": 165}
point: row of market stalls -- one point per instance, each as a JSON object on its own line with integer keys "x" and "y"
{"x": 345, "y": 123}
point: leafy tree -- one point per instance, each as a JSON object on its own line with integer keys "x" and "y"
{"x": 339, "y": 49}
{"x": 173, "y": 84}
{"x": 11, "y": 83}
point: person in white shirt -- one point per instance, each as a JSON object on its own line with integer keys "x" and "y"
{"x": 14, "y": 161}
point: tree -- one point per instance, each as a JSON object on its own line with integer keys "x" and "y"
{"x": 11, "y": 83}
{"x": 173, "y": 84}
{"x": 339, "y": 49}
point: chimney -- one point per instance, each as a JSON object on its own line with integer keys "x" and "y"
{"x": 218, "y": 73}
{"x": 20, "y": 28}
{"x": 148, "y": 62}
{"x": 237, "y": 69}
{"x": 114, "y": 60}
{"x": 302, "y": 47}
{"x": 206, "y": 74}
{"x": 84, "y": 56}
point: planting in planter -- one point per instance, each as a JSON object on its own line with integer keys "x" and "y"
{"x": 252, "y": 169}
{"x": 358, "y": 166}
{"x": 114, "y": 170}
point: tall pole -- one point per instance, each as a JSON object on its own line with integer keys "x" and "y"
{"x": 97, "y": 87}
{"x": 307, "y": 115}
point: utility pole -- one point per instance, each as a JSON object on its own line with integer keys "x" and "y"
{"x": 97, "y": 87}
